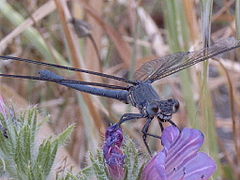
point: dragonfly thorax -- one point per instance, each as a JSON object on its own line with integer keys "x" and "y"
{"x": 142, "y": 94}
{"x": 145, "y": 98}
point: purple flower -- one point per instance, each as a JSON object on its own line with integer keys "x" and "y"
{"x": 180, "y": 159}
{"x": 113, "y": 155}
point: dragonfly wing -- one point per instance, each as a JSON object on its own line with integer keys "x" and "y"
{"x": 171, "y": 64}
{"x": 30, "y": 61}
{"x": 150, "y": 68}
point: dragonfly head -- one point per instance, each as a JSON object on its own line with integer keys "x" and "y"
{"x": 169, "y": 106}
{"x": 165, "y": 107}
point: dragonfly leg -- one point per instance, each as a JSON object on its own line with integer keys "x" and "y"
{"x": 160, "y": 124}
{"x": 130, "y": 116}
{"x": 145, "y": 133}
{"x": 166, "y": 120}
{"x": 152, "y": 135}
{"x": 171, "y": 122}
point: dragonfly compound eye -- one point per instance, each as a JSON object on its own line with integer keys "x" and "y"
{"x": 175, "y": 106}
{"x": 155, "y": 109}
{"x": 152, "y": 108}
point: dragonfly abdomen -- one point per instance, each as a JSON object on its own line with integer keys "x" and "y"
{"x": 121, "y": 95}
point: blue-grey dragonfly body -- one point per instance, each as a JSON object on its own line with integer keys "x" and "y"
{"x": 140, "y": 93}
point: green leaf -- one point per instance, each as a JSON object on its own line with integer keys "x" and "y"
{"x": 20, "y": 158}
{"x": 134, "y": 159}
{"x": 98, "y": 166}
{"x": 49, "y": 161}
{"x": 65, "y": 135}
{"x": 86, "y": 173}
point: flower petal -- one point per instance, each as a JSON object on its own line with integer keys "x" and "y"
{"x": 185, "y": 148}
{"x": 114, "y": 136}
{"x": 169, "y": 136}
{"x": 155, "y": 169}
{"x": 201, "y": 167}
{"x": 180, "y": 159}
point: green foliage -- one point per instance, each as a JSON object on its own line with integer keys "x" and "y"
{"x": 134, "y": 160}
{"x": 20, "y": 157}
{"x": 98, "y": 165}
{"x": 228, "y": 172}
{"x": 98, "y": 169}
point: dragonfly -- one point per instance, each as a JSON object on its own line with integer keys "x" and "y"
{"x": 139, "y": 92}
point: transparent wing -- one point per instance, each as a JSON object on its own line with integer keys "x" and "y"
{"x": 165, "y": 66}
{"x": 150, "y": 68}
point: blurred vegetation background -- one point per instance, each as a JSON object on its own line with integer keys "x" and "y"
{"x": 119, "y": 37}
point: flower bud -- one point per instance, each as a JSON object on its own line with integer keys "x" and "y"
{"x": 113, "y": 155}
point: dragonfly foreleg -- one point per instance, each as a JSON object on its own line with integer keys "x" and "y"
{"x": 160, "y": 121}
{"x": 172, "y": 123}
{"x": 130, "y": 116}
